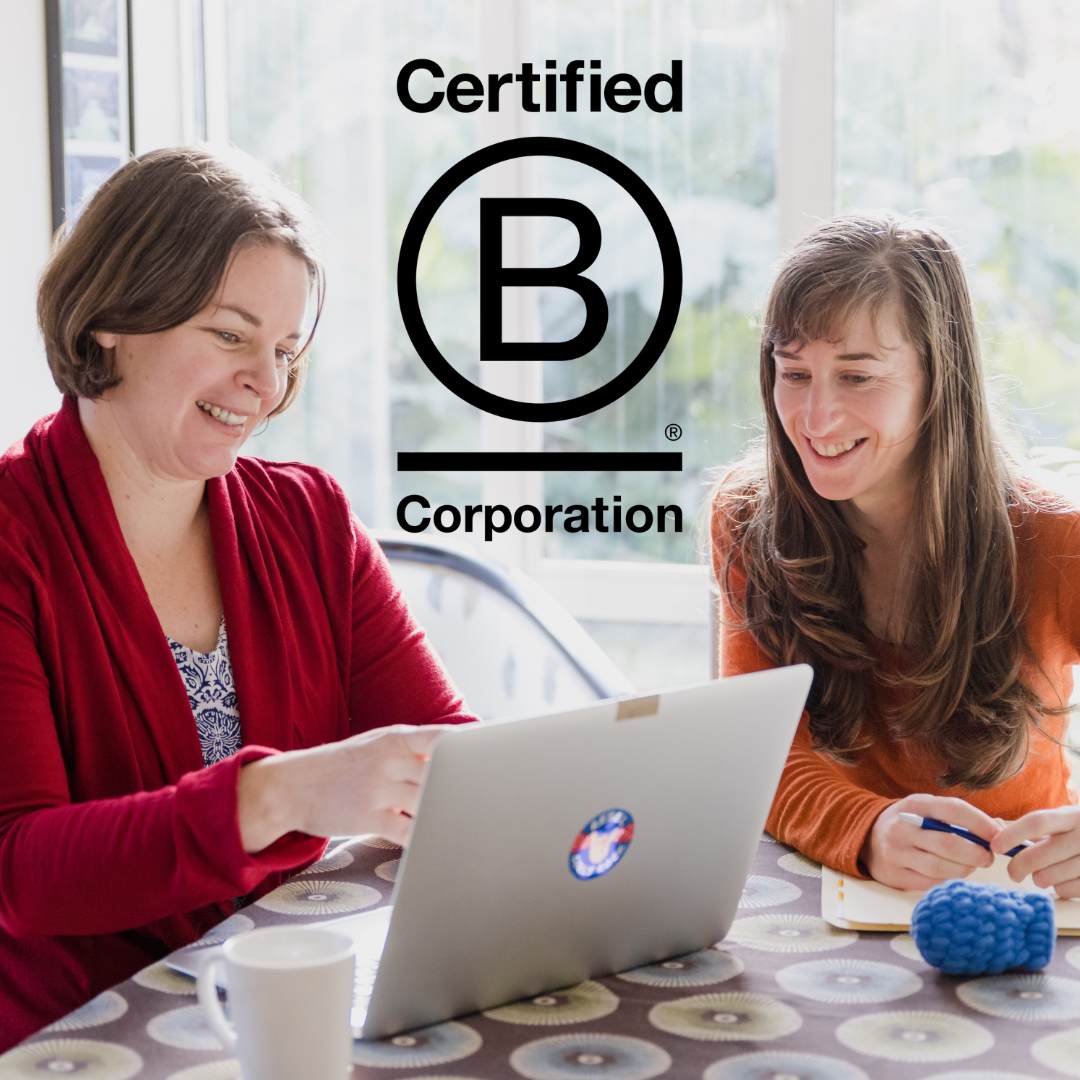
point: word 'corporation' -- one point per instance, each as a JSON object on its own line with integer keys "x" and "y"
{"x": 621, "y": 93}
{"x": 497, "y": 518}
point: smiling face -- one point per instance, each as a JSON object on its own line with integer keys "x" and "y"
{"x": 852, "y": 409}
{"x": 189, "y": 397}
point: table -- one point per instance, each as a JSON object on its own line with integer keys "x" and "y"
{"x": 783, "y": 997}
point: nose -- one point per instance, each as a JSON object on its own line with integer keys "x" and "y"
{"x": 823, "y": 409}
{"x": 262, "y": 374}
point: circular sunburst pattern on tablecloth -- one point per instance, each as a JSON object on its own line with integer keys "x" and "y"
{"x": 726, "y": 1017}
{"x": 979, "y": 1074}
{"x": 590, "y": 1056}
{"x": 695, "y": 969}
{"x": 377, "y": 842}
{"x": 338, "y": 861}
{"x": 233, "y": 925}
{"x": 767, "y": 892}
{"x": 915, "y": 1037}
{"x": 85, "y": 1058}
{"x": 849, "y": 982}
{"x": 904, "y": 944}
{"x": 789, "y": 933}
{"x": 1073, "y": 956}
{"x": 388, "y": 870}
{"x": 103, "y": 1009}
{"x": 574, "y": 1005}
{"x": 319, "y": 898}
{"x": 795, "y": 863}
{"x": 185, "y": 1028}
{"x": 226, "y": 1069}
{"x": 1032, "y": 996}
{"x": 1060, "y": 1051}
{"x": 789, "y": 1064}
{"x": 435, "y": 1045}
{"x": 161, "y": 977}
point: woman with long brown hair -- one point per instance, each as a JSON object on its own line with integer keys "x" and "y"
{"x": 885, "y": 537}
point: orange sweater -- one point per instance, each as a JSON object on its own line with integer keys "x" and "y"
{"x": 825, "y": 809}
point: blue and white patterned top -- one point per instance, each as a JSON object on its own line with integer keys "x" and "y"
{"x": 208, "y": 680}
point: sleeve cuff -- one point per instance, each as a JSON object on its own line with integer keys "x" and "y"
{"x": 207, "y": 805}
{"x": 862, "y": 821}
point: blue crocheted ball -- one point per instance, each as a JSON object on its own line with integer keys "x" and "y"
{"x": 966, "y": 928}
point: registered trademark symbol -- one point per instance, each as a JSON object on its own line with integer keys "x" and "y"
{"x": 673, "y": 432}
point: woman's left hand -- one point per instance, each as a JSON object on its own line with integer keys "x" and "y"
{"x": 1055, "y": 858}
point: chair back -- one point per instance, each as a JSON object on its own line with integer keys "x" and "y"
{"x": 510, "y": 648}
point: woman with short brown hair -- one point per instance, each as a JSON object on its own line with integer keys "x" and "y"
{"x": 206, "y": 666}
{"x": 886, "y": 538}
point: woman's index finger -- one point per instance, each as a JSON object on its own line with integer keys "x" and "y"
{"x": 954, "y": 811}
{"x": 1031, "y": 826}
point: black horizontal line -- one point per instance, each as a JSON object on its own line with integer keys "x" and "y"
{"x": 546, "y": 461}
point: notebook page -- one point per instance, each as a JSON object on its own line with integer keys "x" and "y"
{"x": 864, "y": 904}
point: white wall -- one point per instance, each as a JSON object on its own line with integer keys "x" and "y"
{"x": 26, "y": 387}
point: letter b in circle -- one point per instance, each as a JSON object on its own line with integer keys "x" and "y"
{"x": 494, "y": 277}
{"x": 568, "y": 276}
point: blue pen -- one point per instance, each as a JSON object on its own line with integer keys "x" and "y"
{"x": 941, "y": 826}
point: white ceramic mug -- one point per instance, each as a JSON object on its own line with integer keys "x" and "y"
{"x": 290, "y": 993}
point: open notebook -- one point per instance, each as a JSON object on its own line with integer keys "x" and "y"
{"x": 852, "y": 904}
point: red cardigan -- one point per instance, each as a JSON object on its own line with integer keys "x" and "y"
{"x": 116, "y": 845}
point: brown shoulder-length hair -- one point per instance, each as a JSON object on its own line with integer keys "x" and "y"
{"x": 963, "y": 698}
{"x": 152, "y": 248}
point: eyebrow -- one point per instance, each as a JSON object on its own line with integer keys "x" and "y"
{"x": 254, "y": 320}
{"x": 847, "y": 357}
{"x": 242, "y": 312}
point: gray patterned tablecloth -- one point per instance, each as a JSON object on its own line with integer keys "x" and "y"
{"x": 783, "y": 997}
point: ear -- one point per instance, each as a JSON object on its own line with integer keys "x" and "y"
{"x": 105, "y": 339}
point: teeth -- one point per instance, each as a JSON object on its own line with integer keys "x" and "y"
{"x": 226, "y": 417}
{"x": 833, "y": 449}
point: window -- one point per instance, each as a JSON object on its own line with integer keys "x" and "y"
{"x": 89, "y": 110}
{"x": 953, "y": 108}
{"x": 969, "y": 116}
{"x": 311, "y": 95}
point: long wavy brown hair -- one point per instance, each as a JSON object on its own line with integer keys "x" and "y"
{"x": 960, "y": 596}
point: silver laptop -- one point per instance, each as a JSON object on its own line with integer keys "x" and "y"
{"x": 557, "y": 848}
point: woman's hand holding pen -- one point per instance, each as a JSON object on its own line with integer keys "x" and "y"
{"x": 1054, "y": 858}
{"x": 904, "y": 856}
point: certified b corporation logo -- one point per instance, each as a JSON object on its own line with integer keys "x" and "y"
{"x": 494, "y": 277}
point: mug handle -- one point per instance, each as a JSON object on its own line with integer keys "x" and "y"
{"x": 206, "y": 987}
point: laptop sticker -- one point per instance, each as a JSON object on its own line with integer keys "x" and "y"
{"x": 601, "y": 844}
